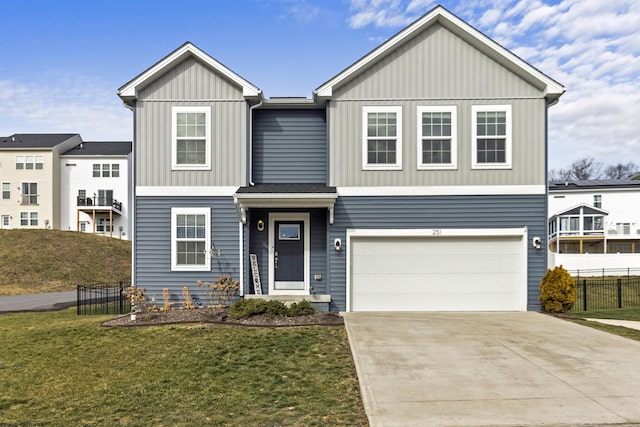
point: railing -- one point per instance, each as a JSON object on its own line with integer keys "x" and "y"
{"x": 604, "y": 293}
{"x": 100, "y": 201}
{"x": 105, "y": 298}
{"x": 29, "y": 199}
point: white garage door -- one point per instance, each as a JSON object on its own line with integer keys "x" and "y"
{"x": 457, "y": 273}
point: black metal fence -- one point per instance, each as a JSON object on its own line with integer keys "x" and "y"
{"x": 604, "y": 293}
{"x": 104, "y": 298}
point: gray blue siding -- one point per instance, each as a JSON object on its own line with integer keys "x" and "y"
{"x": 289, "y": 146}
{"x": 153, "y": 244}
{"x": 439, "y": 212}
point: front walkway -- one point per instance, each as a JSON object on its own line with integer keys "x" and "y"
{"x": 479, "y": 369}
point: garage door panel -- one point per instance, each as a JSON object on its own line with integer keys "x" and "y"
{"x": 437, "y": 274}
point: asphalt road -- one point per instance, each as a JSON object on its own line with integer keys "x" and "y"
{"x": 37, "y": 302}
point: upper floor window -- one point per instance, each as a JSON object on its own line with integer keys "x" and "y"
{"x": 29, "y": 162}
{"x": 382, "y": 145}
{"x": 106, "y": 170}
{"x": 191, "y": 138}
{"x": 6, "y": 190}
{"x": 437, "y": 137}
{"x": 597, "y": 201}
{"x": 29, "y": 193}
{"x": 190, "y": 239}
{"x": 491, "y": 137}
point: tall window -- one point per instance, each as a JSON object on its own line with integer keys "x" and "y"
{"x": 29, "y": 193}
{"x": 105, "y": 198}
{"x": 191, "y": 145}
{"x": 190, "y": 239}
{"x": 6, "y": 190}
{"x": 597, "y": 201}
{"x": 382, "y": 145}
{"x": 491, "y": 136}
{"x": 96, "y": 170}
{"x": 115, "y": 170}
{"x": 437, "y": 137}
{"x": 29, "y": 162}
{"x": 29, "y": 219}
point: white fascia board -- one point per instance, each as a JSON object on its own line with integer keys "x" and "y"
{"x": 435, "y": 232}
{"x": 129, "y": 90}
{"x": 457, "y": 26}
{"x": 288, "y": 200}
{"x": 178, "y": 191}
{"x": 453, "y": 190}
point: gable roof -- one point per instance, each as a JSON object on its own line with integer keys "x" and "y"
{"x": 100, "y": 148}
{"x": 439, "y": 15}
{"x": 594, "y": 184}
{"x": 575, "y": 210}
{"x": 128, "y": 91}
{"x": 35, "y": 140}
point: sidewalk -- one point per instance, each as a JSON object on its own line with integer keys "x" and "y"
{"x": 37, "y": 302}
{"x": 631, "y": 324}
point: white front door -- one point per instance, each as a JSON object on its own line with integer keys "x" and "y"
{"x": 289, "y": 253}
{"x": 5, "y": 222}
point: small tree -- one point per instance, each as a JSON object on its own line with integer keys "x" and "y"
{"x": 557, "y": 291}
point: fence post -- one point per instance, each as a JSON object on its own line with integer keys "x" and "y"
{"x": 120, "y": 296}
{"x": 584, "y": 295}
{"x": 619, "y": 283}
{"x": 78, "y": 299}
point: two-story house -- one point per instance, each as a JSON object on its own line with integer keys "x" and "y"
{"x": 415, "y": 179}
{"x": 594, "y": 225}
{"x": 30, "y": 179}
{"x": 95, "y": 182}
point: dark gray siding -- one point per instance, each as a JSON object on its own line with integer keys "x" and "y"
{"x": 289, "y": 146}
{"x": 153, "y": 244}
{"x": 439, "y": 212}
{"x": 259, "y": 245}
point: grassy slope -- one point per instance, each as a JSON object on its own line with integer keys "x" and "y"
{"x": 50, "y": 260}
{"x": 59, "y": 369}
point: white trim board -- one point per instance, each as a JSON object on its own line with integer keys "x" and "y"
{"x": 290, "y": 216}
{"x": 452, "y": 190}
{"x": 175, "y": 191}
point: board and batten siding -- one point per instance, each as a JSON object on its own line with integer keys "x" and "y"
{"x": 153, "y": 244}
{"x": 467, "y": 212}
{"x": 259, "y": 245}
{"x": 190, "y": 83}
{"x": 289, "y": 146}
{"x": 437, "y": 68}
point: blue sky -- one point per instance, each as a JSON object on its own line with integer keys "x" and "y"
{"x": 61, "y": 62}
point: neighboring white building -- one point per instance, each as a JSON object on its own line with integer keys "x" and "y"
{"x": 594, "y": 224}
{"x": 95, "y": 183}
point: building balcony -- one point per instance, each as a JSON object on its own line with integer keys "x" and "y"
{"x": 99, "y": 204}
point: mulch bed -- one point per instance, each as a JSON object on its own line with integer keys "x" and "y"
{"x": 219, "y": 316}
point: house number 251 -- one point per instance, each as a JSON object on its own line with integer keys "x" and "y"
{"x": 437, "y": 232}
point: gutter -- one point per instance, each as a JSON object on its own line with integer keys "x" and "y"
{"x": 253, "y": 107}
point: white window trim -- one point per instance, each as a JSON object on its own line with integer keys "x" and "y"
{"x": 454, "y": 137}
{"x": 2, "y": 190}
{"x": 382, "y": 109}
{"x": 475, "y": 109}
{"x": 207, "y": 220}
{"x": 174, "y": 136}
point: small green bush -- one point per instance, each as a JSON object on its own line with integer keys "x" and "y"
{"x": 301, "y": 308}
{"x": 557, "y": 291}
{"x": 244, "y": 308}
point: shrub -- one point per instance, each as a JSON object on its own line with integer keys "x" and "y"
{"x": 301, "y": 308}
{"x": 244, "y": 308}
{"x": 557, "y": 291}
{"x": 221, "y": 291}
{"x": 276, "y": 308}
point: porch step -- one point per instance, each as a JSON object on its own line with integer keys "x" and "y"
{"x": 288, "y": 299}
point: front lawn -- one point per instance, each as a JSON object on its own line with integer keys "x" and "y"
{"x": 58, "y": 369}
{"x": 618, "y": 313}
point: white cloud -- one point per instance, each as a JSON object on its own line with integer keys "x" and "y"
{"x": 74, "y": 105}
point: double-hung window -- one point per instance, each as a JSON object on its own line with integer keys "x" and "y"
{"x": 190, "y": 239}
{"x": 191, "y": 138}
{"x": 30, "y": 162}
{"x": 382, "y": 145}
{"x": 491, "y": 137}
{"x": 29, "y": 193}
{"x": 437, "y": 137}
{"x": 6, "y": 190}
{"x": 29, "y": 219}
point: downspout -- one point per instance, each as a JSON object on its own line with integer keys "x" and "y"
{"x": 259, "y": 104}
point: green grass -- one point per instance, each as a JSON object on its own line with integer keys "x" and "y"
{"x": 617, "y": 330}
{"x": 33, "y": 261}
{"x": 602, "y": 293}
{"x": 620, "y": 314}
{"x": 58, "y": 369}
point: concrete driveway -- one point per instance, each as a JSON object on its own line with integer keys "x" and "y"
{"x": 490, "y": 369}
